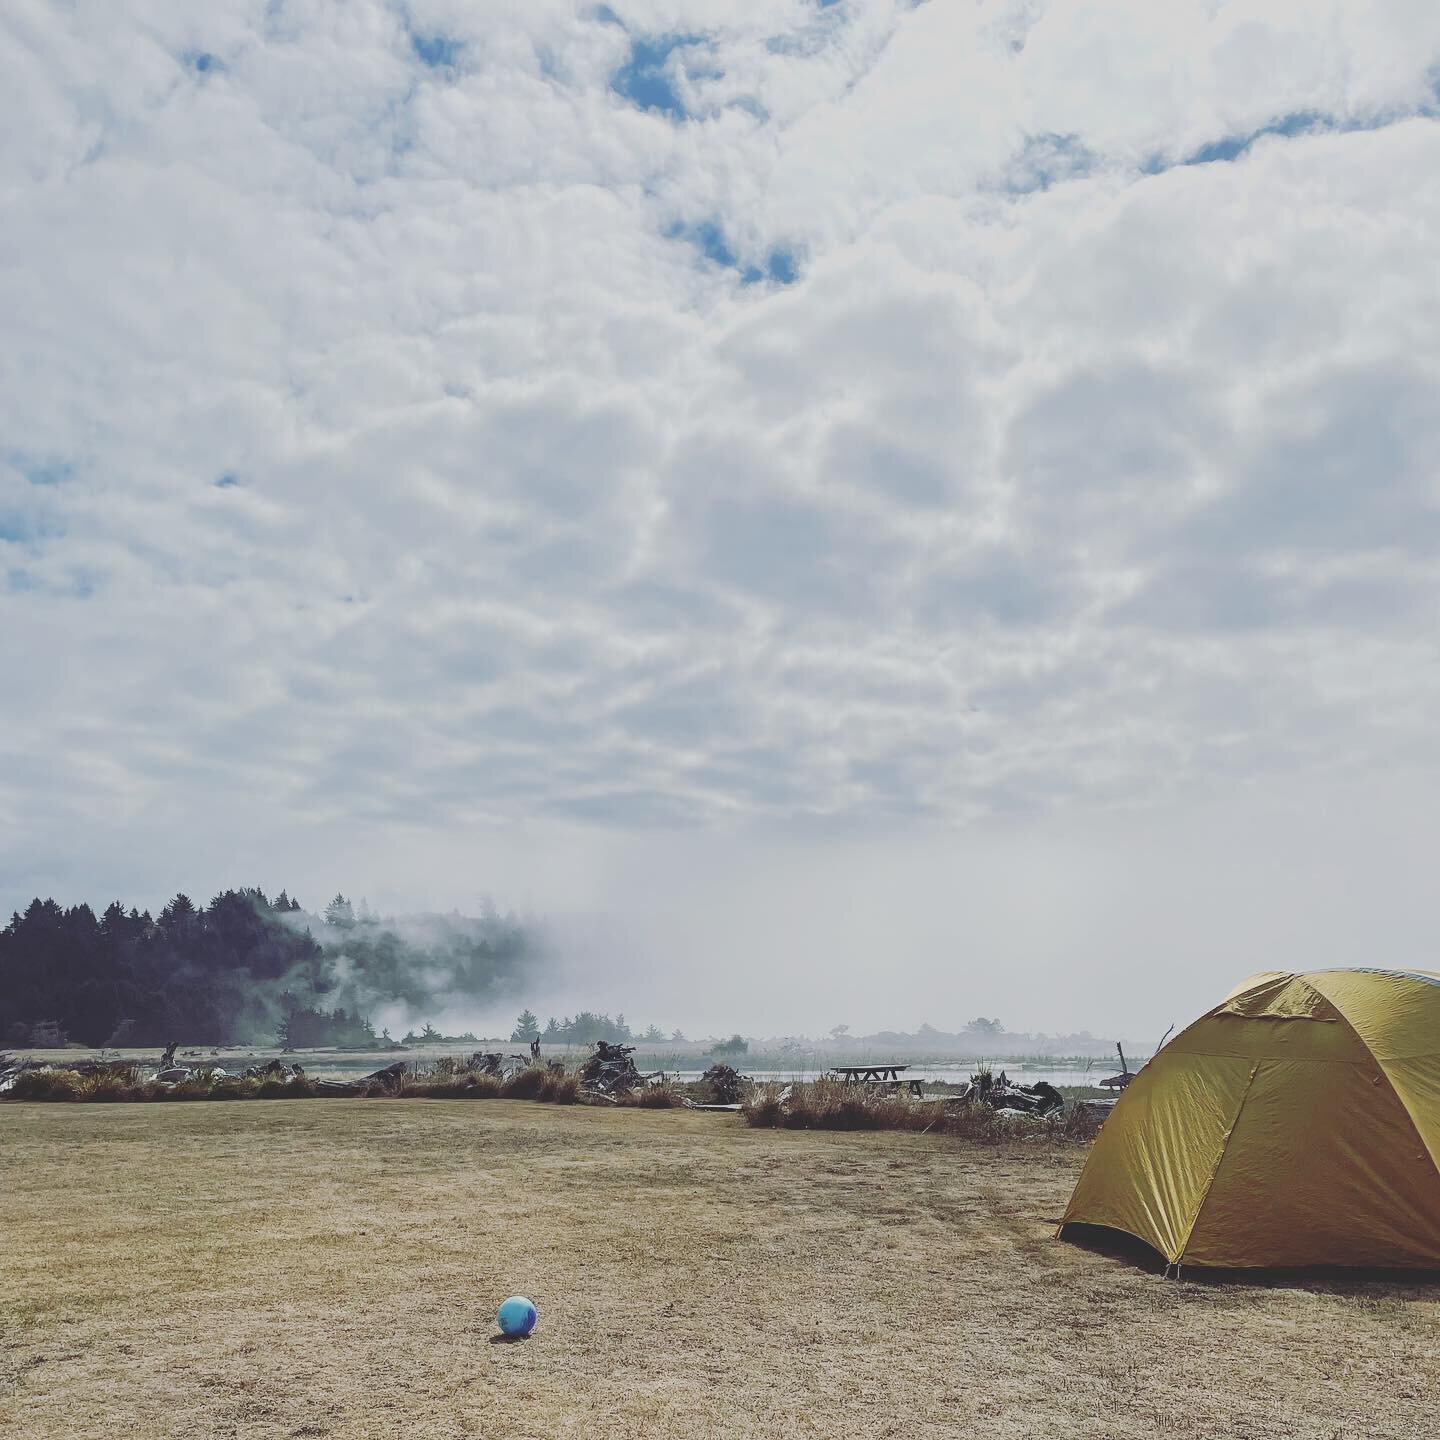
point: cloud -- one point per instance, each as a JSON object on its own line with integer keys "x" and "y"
{"x": 641, "y": 417}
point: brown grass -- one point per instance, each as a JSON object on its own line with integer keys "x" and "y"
{"x": 259, "y": 1271}
{"x": 832, "y": 1105}
{"x": 444, "y": 1080}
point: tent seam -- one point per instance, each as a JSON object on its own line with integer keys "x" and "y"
{"x": 1385, "y": 1074}
{"x": 1219, "y": 1161}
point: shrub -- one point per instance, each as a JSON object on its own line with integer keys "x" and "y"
{"x": 47, "y": 1085}
{"x": 764, "y": 1110}
{"x": 526, "y": 1084}
{"x": 656, "y": 1097}
{"x": 560, "y": 1089}
{"x": 106, "y": 1087}
{"x": 466, "y": 1086}
{"x": 830, "y": 1105}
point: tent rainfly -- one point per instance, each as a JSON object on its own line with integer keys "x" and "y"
{"x": 1298, "y": 1123}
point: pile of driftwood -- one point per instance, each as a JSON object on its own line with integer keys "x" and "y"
{"x": 1001, "y": 1093}
{"x": 610, "y": 1072}
{"x": 273, "y": 1070}
{"x": 388, "y": 1077}
{"x": 724, "y": 1084}
{"x": 12, "y": 1069}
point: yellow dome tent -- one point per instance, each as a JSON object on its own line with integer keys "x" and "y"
{"x": 1298, "y": 1123}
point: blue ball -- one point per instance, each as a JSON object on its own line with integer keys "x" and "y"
{"x": 516, "y": 1316}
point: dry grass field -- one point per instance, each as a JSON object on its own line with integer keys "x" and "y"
{"x": 330, "y": 1268}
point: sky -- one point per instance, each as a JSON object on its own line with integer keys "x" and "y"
{"x": 859, "y": 512}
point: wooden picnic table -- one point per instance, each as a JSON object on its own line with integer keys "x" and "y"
{"x": 886, "y": 1075}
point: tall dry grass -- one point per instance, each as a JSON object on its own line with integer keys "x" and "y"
{"x": 532, "y": 1083}
{"x": 832, "y": 1105}
{"x": 125, "y": 1084}
{"x": 444, "y": 1079}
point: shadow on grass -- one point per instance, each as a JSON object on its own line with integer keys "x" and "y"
{"x": 1362, "y": 1281}
{"x": 1114, "y": 1245}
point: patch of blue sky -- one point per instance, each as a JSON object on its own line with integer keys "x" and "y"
{"x": 781, "y": 266}
{"x": 606, "y": 16}
{"x": 202, "y": 62}
{"x": 710, "y": 240}
{"x": 1231, "y": 147}
{"x": 20, "y": 525}
{"x": 437, "y": 52}
{"x": 1047, "y": 160}
{"x": 38, "y": 471}
{"x": 226, "y": 481}
{"x": 646, "y": 78}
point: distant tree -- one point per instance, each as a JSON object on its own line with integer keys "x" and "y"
{"x": 120, "y": 1035}
{"x": 178, "y": 913}
{"x": 735, "y": 1045}
{"x": 839, "y": 1032}
{"x": 302, "y": 1027}
{"x": 678, "y": 1038}
{"x": 340, "y": 913}
{"x": 527, "y": 1027}
{"x": 552, "y": 1029}
{"x": 982, "y": 1026}
{"x": 653, "y": 1035}
{"x": 587, "y": 1027}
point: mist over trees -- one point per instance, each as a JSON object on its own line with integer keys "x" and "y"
{"x": 244, "y": 969}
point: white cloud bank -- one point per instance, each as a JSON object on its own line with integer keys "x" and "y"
{"x": 539, "y": 447}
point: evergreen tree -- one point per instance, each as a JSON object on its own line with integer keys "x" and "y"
{"x": 340, "y": 913}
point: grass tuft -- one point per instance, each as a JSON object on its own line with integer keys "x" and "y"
{"x": 525, "y": 1084}
{"x": 48, "y": 1085}
{"x": 560, "y": 1089}
{"x": 656, "y": 1097}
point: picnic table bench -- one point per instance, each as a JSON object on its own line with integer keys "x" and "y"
{"x": 886, "y": 1075}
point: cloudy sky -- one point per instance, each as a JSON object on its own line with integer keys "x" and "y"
{"x": 861, "y": 511}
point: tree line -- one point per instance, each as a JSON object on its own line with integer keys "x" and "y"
{"x": 241, "y": 969}
{"x": 586, "y": 1028}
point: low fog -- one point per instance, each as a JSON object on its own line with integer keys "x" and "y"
{"x": 1116, "y": 923}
